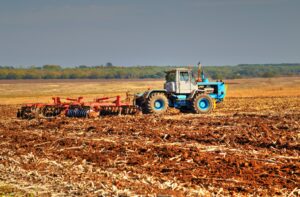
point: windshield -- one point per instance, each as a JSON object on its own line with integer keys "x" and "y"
{"x": 184, "y": 76}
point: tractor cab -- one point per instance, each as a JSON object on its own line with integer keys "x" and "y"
{"x": 180, "y": 81}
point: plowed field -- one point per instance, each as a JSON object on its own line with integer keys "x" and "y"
{"x": 247, "y": 146}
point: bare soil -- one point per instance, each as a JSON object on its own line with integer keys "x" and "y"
{"x": 248, "y": 146}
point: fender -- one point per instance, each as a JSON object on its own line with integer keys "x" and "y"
{"x": 148, "y": 93}
{"x": 195, "y": 92}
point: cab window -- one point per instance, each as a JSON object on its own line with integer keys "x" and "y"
{"x": 184, "y": 76}
{"x": 171, "y": 77}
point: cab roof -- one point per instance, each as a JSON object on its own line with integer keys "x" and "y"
{"x": 180, "y": 69}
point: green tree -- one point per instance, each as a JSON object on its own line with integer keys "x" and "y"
{"x": 109, "y": 64}
{"x": 51, "y": 67}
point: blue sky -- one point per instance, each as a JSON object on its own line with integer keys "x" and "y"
{"x": 153, "y": 32}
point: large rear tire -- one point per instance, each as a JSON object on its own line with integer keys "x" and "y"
{"x": 156, "y": 103}
{"x": 203, "y": 104}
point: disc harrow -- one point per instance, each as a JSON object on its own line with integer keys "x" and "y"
{"x": 77, "y": 108}
{"x": 28, "y": 111}
{"x": 79, "y": 113}
{"x": 121, "y": 110}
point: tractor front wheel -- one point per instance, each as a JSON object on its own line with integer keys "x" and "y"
{"x": 156, "y": 103}
{"x": 202, "y": 104}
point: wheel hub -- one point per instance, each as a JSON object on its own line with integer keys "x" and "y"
{"x": 203, "y": 104}
{"x": 158, "y": 105}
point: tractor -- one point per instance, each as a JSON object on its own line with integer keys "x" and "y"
{"x": 183, "y": 92}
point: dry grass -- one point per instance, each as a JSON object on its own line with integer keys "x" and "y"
{"x": 13, "y": 190}
{"x": 16, "y": 92}
{"x": 265, "y": 87}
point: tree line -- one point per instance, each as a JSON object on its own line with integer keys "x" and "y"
{"x": 141, "y": 72}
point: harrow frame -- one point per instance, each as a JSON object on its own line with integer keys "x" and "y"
{"x": 76, "y": 107}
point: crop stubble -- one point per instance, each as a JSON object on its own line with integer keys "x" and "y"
{"x": 248, "y": 146}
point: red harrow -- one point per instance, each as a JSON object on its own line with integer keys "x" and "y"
{"x": 76, "y": 107}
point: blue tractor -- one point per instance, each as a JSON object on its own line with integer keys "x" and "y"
{"x": 183, "y": 92}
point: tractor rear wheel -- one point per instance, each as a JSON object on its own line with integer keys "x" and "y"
{"x": 202, "y": 104}
{"x": 156, "y": 103}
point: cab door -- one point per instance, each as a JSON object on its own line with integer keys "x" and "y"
{"x": 184, "y": 82}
